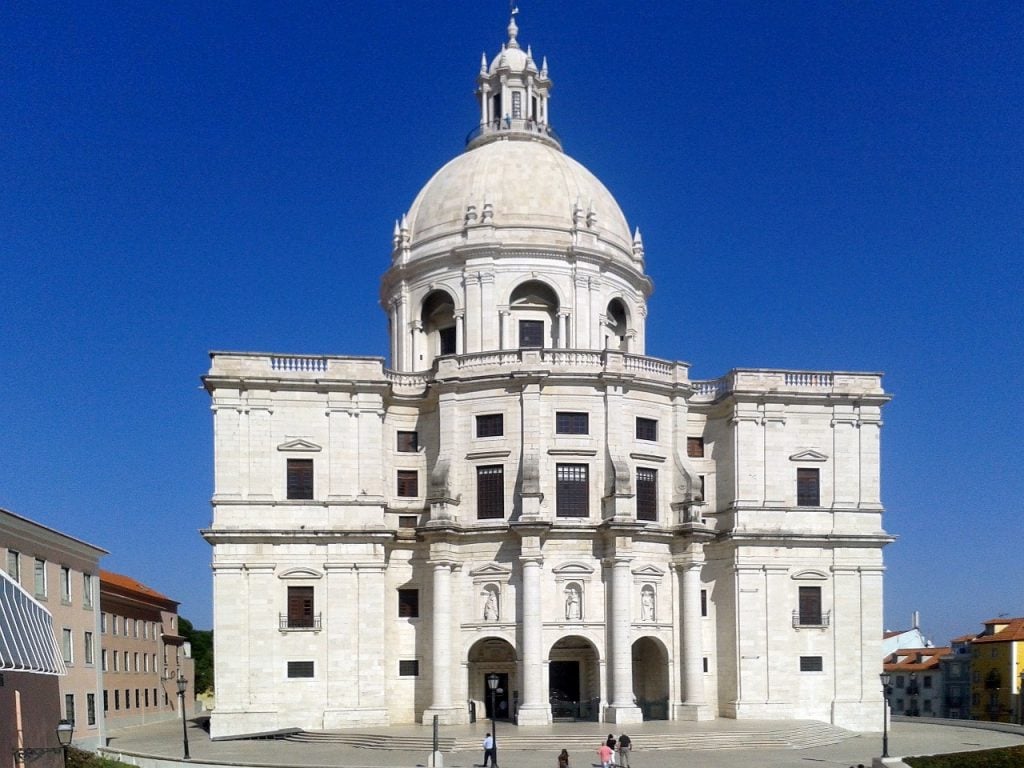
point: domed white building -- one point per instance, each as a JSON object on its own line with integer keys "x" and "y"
{"x": 523, "y": 495}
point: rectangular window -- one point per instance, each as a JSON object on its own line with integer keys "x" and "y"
{"x": 135, "y": 662}
{"x": 103, "y": 623}
{"x": 117, "y": 699}
{"x": 145, "y": 697}
{"x": 408, "y": 483}
{"x": 927, "y": 705}
{"x": 490, "y": 492}
{"x": 90, "y": 708}
{"x": 103, "y": 659}
{"x": 87, "y": 590}
{"x": 927, "y": 681}
{"x": 703, "y": 602}
{"x": 66, "y": 645}
{"x": 90, "y": 657}
{"x": 811, "y": 664}
{"x": 407, "y": 521}
{"x": 113, "y": 624}
{"x": 408, "y": 441}
{"x": 705, "y": 663}
{"x": 408, "y": 667}
{"x": 646, "y": 429}
{"x": 409, "y": 603}
{"x": 448, "y": 338}
{"x": 810, "y": 606}
{"x": 14, "y": 565}
{"x": 646, "y": 494}
{"x": 300, "y": 608}
{"x": 531, "y": 333}
{"x": 69, "y": 707}
{"x": 300, "y": 669}
{"x": 145, "y": 662}
{"x": 490, "y": 425}
{"x": 808, "y": 488}
{"x": 695, "y": 447}
{"x": 39, "y": 574}
{"x": 572, "y": 423}
{"x": 65, "y": 584}
{"x": 127, "y": 698}
{"x": 300, "y": 478}
{"x": 116, "y": 662}
{"x": 129, "y": 627}
{"x": 106, "y": 700}
{"x": 136, "y": 698}
{"x": 517, "y": 104}
{"x": 572, "y": 490}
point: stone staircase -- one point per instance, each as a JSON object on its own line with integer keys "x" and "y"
{"x": 798, "y": 735}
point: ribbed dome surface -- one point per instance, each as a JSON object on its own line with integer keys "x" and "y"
{"x": 532, "y": 188}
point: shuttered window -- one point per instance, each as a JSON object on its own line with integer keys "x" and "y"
{"x": 300, "y": 607}
{"x": 808, "y": 488}
{"x": 810, "y": 606}
{"x": 408, "y": 483}
{"x": 695, "y": 447}
{"x": 300, "y": 478}
{"x": 408, "y": 442}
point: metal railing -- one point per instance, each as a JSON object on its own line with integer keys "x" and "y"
{"x": 299, "y": 623}
{"x": 818, "y": 622}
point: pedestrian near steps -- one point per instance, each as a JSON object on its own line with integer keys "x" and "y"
{"x": 605, "y": 753}
{"x": 490, "y": 757}
{"x": 563, "y": 759}
{"x": 625, "y": 746}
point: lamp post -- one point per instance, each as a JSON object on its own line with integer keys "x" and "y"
{"x": 885, "y": 677}
{"x": 65, "y": 730}
{"x": 182, "y": 685}
{"x": 492, "y": 684}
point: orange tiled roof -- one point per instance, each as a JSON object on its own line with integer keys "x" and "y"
{"x": 1013, "y": 631}
{"x": 963, "y": 639}
{"x": 130, "y": 584}
{"x": 914, "y": 659}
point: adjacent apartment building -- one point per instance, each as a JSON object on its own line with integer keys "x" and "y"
{"x": 62, "y": 574}
{"x": 956, "y": 678}
{"x": 143, "y": 654}
{"x": 917, "y": 687}
{"x": 997, "y": 666}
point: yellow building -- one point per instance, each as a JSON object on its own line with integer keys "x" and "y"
{"x": 997, "y": 666}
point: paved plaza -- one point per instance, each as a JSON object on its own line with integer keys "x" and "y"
{"x": 163, "y": 741}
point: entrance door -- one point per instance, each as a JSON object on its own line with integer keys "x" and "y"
{"x": 500, "y": 697}
{"x": 564, "y": 689}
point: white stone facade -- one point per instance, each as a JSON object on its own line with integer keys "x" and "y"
{"x": 525, "y": 493}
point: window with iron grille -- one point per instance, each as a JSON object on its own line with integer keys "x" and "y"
{"x": 300, "y": 478}
{"x": 300, "y": 669}
{"x": 695, "y": 447}
{"x": 703, "y": 602}
{"x": 572, "y": 423}
{"x": 808, "y": 488}
{"x": 490, "y": 492}
{"x": 490, "y": 425}
{"x": 810, "y": 606}
{"x": 409, "y": 603}
{"x": 300, "y": 608}
{"x": 646, "y": 429}
{"x": 531, "y": 333}
{"x": 408, "y": 667}
{"x": 572, "y": 490}
{"x": 646, "y": 494}
{"x": 408, "y": 441}
{"x": 408, "y": 483}
{"x": 811, "y": 664}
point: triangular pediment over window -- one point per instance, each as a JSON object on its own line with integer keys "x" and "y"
{"x": 573, "y": 570}
{"x": 490, "y": 571}
{"x": 299, "y": 445}
{"x": 809, "y": 455}
{"x": 649, "y": 572}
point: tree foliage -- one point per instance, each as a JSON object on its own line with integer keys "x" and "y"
{"x": 202, "y": 653}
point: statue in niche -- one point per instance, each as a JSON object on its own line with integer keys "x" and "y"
{"x": 573, "y": 609}
{"x": 491, "y": 606}
{"x": 647, "y": 604}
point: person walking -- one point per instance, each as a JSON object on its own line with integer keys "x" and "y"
{"x": 563, "y": 759}
{"x": 490, "y": 758}
{"x": 604, "y": 752}
{"x": 624, "y": 747}
{"x": 611, "y": 745}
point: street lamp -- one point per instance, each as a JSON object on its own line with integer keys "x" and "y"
{"x": 182, "y": 685}
{"x": 886, "y": 678}
{"x": 492, "y": 684}
{"x": 65, "y": 730}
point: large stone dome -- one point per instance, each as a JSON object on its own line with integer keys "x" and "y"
{"x": 530, "y": 191}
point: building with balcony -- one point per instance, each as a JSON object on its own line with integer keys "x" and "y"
{"x": 956, "y": 678}
{"x": 997, "y": 671}
{"x": 61, "y": 573}
{"x": 143, "y": 655}
{"x": 523, "y": 495}
{"x": 918, "y": 689}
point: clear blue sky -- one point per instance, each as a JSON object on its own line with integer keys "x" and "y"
{"x": 820, "y": 185}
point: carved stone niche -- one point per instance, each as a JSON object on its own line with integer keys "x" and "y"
{"x": 490, "y": 591}
{"x": 571, "y": 579}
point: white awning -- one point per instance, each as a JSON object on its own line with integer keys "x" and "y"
{"x": 27, "y": 642}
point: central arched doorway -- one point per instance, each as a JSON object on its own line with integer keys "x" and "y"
{"x": 489, "y": 656}
{"x": 574, "y": 680}
{"x": 650, "y": 678}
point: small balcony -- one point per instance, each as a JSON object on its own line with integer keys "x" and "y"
{"x": 513, "y": 127}
{"x": 288, "y": 623}
{"x": 817, "y": 621}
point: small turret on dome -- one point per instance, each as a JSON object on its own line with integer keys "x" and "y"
{"x": 513, "y": 96}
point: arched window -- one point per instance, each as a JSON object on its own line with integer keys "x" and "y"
{"x": 438, "y": 318}
{"x": 534, "y": 307}
{"x": 616, "y": 325}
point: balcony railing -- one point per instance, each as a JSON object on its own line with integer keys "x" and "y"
{"x": 517, "y": 125}
{"x": 816, "y": 622}
{"x": 288, "y": 623}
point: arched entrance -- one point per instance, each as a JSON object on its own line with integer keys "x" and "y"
{"x": 574, "y": 680}
{"x": 650, "y": 678}
{"x": 493, "y": 655}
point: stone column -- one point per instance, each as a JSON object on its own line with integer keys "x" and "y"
{"x": 473, "y": 314}
{"x": 504, "y": 321}
{"x": 373, "y": 703}
{"x": 460, "y": 332}
{"x": 489, "y": 334}
{"x": 441, "y": 645}
{"x": 694, "y": 705}
{"x": 622, "y": 708}
{"x": 533, "y": 710}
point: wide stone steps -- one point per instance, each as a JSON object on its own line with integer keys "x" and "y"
{"x": 781, "y": 736}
